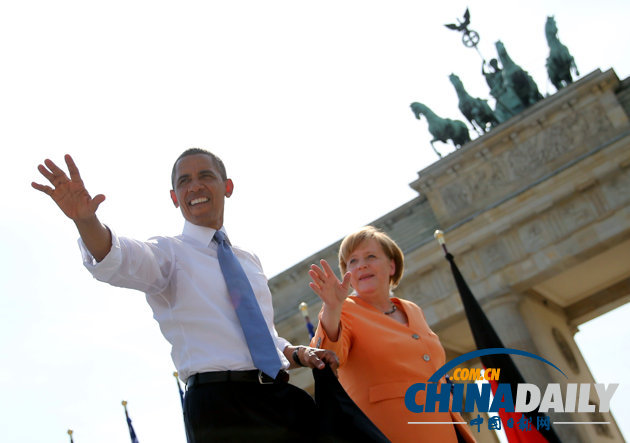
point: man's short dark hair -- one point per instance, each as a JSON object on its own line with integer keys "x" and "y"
{"x": 193, "y": 151}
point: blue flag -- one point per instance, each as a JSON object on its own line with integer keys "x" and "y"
{"x": 132, "y": 433}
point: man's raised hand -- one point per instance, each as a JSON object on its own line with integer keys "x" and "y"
{"x": 68, "y": 193}
{"x": 74, "y": 200}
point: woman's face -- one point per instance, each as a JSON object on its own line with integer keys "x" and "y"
{"x": 370, "y": 268}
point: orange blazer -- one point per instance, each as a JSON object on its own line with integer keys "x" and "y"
{"x": 380, "y": 358}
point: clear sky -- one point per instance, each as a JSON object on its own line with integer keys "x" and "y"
{"x": 308, "y": 105}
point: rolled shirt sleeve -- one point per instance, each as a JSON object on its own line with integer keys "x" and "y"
{"x": 145, "y": 266}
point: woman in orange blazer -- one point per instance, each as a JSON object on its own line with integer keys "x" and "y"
{"x": 384, "y": 344}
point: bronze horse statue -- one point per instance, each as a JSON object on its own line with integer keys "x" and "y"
{"x": 477, "y": 111}
{"x": 442, "y": 129}
{"x": 507, "y": 103}
{"x": 517, "y": 79}
{"x": 560, "y": 62}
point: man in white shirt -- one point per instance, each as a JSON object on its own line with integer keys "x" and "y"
{"x": 227, "y": 398}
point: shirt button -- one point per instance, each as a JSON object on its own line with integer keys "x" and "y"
{"x": 415, "y": 336}
{"x": 426, "y": 357}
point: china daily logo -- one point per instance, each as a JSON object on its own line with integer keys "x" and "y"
{"x": 470, "y": 397}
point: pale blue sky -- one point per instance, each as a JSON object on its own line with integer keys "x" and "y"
{"x": 308, "y": 105}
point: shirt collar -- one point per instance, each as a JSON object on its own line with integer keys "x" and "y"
{"x": 201, "y": 234}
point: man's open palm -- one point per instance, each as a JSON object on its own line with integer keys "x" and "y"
{"x": 69, "y": 193}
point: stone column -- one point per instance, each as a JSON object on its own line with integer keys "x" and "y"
{"x": 504, "y": 312}
{"x": 530, "y": 324}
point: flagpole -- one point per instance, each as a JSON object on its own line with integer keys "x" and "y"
{"x": 439, "y": 236}
{"x": 70, "y": 432}
{"x": 179, "y": 388}
{"x": 132, "y": 432}
{"x": 309, "y": 325}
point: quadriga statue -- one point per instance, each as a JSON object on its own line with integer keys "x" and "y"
{"x": 477, "y": 111}
{"x": 442, "y": 129}
{"x": 560, "y": 62}
{"x": 517, "y": 79}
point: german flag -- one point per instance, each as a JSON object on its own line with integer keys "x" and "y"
{"x": 486, "y": 337}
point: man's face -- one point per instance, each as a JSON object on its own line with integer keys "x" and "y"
{"x": 200, "y": 191}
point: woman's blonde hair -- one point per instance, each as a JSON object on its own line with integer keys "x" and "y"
{"x": 391, "y": 249}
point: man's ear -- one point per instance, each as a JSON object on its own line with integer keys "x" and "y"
{"x": 229, "y": 187}
{"x": 174, "y": 198}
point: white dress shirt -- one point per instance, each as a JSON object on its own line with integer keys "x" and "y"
{"x": 185, "y": 288}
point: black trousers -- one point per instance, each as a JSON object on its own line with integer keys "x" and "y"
{"x": 241, "y": 411}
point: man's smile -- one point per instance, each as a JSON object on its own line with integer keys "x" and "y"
{"x": 198, "y": 200}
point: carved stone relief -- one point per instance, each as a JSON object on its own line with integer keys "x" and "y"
{"x": 457, "y": 196}
{"x": 533, "y": 235}
{"x": 427, "y": 287}
{"x": 494, "y": 256}
{"x": 421, "y": 290}
{"x": 559, "y": 139}
{"x": 617, "y": 190}
{"x": 527, "y": 160}
{"x": 487, "y": 178}
{"x": 598, "y": 125}
{"x": 524, "y": 159}
{"x": 575, "y": 214}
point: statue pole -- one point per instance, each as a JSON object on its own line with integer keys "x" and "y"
{"x": 470, "y": 38}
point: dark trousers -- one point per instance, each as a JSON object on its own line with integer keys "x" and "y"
{"x": 240, "y": 411}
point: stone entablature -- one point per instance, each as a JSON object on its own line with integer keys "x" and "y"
{"x": 525, "y": 149}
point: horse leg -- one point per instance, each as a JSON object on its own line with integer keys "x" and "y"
{"x": 435, "y": 150}
{"x": 481, "y": 127}
{"x": 477, "y": 128}
{"x": 557, "y": 82}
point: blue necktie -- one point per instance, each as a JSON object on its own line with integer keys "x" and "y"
{"x": 261, "y": 346}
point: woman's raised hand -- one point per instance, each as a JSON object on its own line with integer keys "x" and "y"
{"x": 326, "y": 284}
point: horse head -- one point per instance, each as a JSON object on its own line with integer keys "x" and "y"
{"x": 418, "y": 109}
{"x": 505, "y": 59}
{"x": 551, "y": 29}
{"x": 455, "y": 81}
